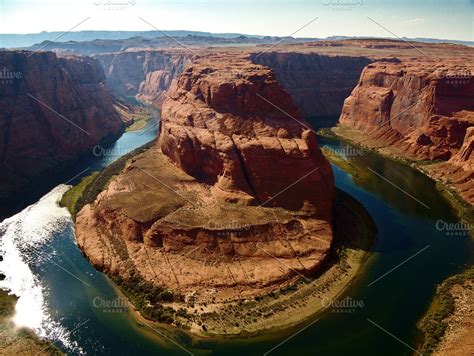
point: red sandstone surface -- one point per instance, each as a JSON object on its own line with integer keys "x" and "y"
{"x": 458, "y": 172}
{"x": 220, "y": 125}
{"x": 234, "y": 201}
{"x": 233, "y": 138}
{"x": 424, "y": 109}
{"x": 52, "y": 110}
{"x": 419, "y": 109}
{"x": 146, "y": 74}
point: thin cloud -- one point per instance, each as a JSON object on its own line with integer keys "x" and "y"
{"x": 414, "y": 22}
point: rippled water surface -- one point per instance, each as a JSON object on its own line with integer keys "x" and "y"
{"x": 59, "y": 289}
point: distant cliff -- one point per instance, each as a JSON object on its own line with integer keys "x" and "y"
{"x": 412, "y": 107}
{"x": 417, "y": 111}
{"x": 52, "y": 110}
{"x": 317, "y": 83}
{"x": 146, "y": 74}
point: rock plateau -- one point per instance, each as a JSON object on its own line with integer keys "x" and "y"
{"x": 234, "y": 201}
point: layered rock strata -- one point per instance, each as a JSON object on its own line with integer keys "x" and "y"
{"x": 458, "y": 172}
{"x": 412, "y": 106}
{"x": 234, "y": 201}
{"x": 318, "y": 83}
{"x": 234, "y": 127}
{"x": 145, "y": 74}
{"x": 52, "y": 109}
{"x": 417, "y": 111}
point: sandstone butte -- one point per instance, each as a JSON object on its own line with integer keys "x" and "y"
{"x": 226, "y": 150}
{"x": 409, "y": 101}
{"x": 233, "y": 201}
{"x": 52, "y": 109}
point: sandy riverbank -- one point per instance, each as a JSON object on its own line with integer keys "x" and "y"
{"x": 448, "y": 325}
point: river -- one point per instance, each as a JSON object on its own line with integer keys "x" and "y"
{"x": 62, "y": 296}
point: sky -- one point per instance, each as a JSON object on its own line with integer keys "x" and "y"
{"x": 302, "y": 18}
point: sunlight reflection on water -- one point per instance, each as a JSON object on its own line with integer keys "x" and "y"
{"x": 21, "y": 238}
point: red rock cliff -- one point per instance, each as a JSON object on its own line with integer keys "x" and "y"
{"x": 33, "y": 137}
{"x": 146, "y": 74}
{"x": 458, "y": 172}
{"x": 464, "y": 158}
{"x": 184, "y": 207}
{"x": 317, "y": 83}
{"x": 421, "y": 109}
{"x": 221, "y": 125}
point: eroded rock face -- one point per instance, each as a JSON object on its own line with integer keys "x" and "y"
{"x": 458, "y": 172}
{"x": 317, "y": 83}
{"x": 52, "y": 110}
{"x": 233, "y": 202}
{"x": 233, "y": 126}
{"x": 421, "y": 109}
{"x": 464, "y": 158}
{"x": 156, "y": 222}
{"x": 146, "y": 74}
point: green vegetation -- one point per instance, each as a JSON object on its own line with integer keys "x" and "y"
{"x": 340, "y": 133}
{"x": 71, "y": 197}
{"x": 327, "y": 132}
{"x": 434, "y": 325}
{"x": 140, "y": 120}
{"x": 358, "y": 175}
{"x": 88, "y": 189}
{"x": 354, "y": 236}
{"x": 149, "y": 300}
{"x": 341, "y": 162}
{"x": 464, "y": 210}
{"x": 19, "y": 341}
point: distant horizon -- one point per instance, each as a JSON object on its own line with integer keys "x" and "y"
{"x": 229, "y": 33}
{"x": 437, "y": 19}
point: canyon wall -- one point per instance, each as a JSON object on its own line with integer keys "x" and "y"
{"x": 52, "y": 109}
{"x": 146, "y": 74}
{"x": 221, "y": 125}
{"x": 234, "y": 201}
{"x": 464, "y": 158}
{"x": 420, "y": 111}
{"x": 317, "y": 83}
{"x": 458, "y": 172}
{"x": 414, "y": 108}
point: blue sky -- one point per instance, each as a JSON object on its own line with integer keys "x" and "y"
{"x": 418, "y": 18}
